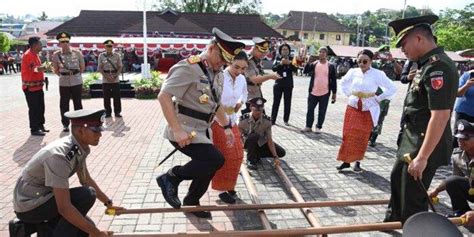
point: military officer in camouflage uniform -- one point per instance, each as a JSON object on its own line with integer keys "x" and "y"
{"x": 256, "y": 130}
{"x": 69, "y": 65}
{"x": 110, "y": 66}
{"x": 254, "y": 73}
{"x": 195, "y": 84}
{"x": 426, "y": 135}
{"x": 43, "y": 193}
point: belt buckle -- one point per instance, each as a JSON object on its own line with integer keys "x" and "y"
{"x": 211, "y": 118}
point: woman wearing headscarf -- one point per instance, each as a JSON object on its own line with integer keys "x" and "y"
{"x": 363, "y": 109}
{"x": 234, "y": 94}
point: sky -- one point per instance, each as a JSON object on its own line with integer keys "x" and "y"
{"x": 55, "y": 8}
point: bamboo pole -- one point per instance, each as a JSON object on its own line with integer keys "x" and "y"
{"x": 254, "y": 196}
{"x": 296, "y": 195}
{"x": 387, "y": 226}
{"x": 257, "y": 206}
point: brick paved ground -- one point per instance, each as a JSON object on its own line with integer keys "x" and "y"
{"x": 124, "y": 165}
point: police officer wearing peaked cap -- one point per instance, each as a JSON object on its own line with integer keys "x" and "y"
{"x": 429, "y": 100}
{"x": 256, "y": 130}
{"x": 196, "y": 84}
{"x": 110, "y": 66}
{"x": 43, "y": 194}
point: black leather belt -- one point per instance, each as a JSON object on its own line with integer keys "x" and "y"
{"x": 70, "y": 73}
{"x": 110, "y": 71}
{"x": 195, "y": 114}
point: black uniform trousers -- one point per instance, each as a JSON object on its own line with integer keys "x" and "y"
{"x": 35, "y": 101}
{"x": 278, "y": 92}
{"x": 205, "y": 161}
{"x": 67, "y": 93}
{"x": 313, "y": 101}
{"x": 82, "y": 198}
{"x": 255, "y": 152}
{"x": 112, "y": 90}
{"x": 458, "y": 190}
{"x": 408, "y": 197}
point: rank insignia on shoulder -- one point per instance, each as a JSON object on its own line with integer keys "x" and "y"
{"x": 266, "y": 117}
{"x": 204, "y": 99}
{"x": 434, "y": 58}
{"x": 74, "y": 150}
{"x": 194, "y": 59}
{"x": 245, "y": 116}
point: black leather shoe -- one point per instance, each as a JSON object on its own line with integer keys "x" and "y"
{"x": 38, "y": 133}
{"x": 169, "y": 190}
{"x": 118, "y": 115}
{"x": 357, "y": 168}
{"x": 66, "y": 129}
{"x": 200, "y": 214}
{"x": 343, "y": 166}
{"x": 44, "y": 129}
{"x": 227, "y": 198}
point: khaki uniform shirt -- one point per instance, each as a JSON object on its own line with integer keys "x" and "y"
{"x": 262, "y": 127}
{"x": 253, "y": 89}
{"x": 187, "y": 82}
{"x": 50, "y": 168}
{"x": 70, "y": 61}
{"x": 460, "y": 164}
{"x": 433, "y": 88}
{"x": 105, "y": 63}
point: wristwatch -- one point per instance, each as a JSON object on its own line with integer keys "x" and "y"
{"x": 108, "y": 203}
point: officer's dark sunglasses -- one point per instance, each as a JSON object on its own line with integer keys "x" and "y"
{"x": 365, "y": 61}
{"x": 95, "y": 129}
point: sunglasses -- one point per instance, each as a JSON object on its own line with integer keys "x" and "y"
{"x": 108, "y": 46}
{"x": 95, "y": 129}
{"x": 365, "y": 61}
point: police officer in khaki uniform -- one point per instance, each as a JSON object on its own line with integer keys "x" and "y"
{"x": 254, "y": 73}
{"x": 460, "y": 185}
{"x": 110, "y": 66}
{"x": 256, "y": 130}
{"x": 426, "y": 137}
{"x": 195, "y": 84}
{"x": 43, "y": 193}
{"x": 69, "y": 65}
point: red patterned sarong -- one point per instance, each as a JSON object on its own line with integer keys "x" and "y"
{"x": 226, "y": 177}
{"x": 355, "y": 134}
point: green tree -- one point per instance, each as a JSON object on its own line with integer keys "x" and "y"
{"x": 455, "y": 28}
{"x": 209, "y": 6}
{"x": 4, "y": 42}
{"x": 43, "y": 16}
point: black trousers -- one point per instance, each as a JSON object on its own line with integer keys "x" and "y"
{"x": 407, "y": 197}
{"x": 35, "y": 101}
{"x": 67, "y": 93}
{"x": 205, "y": 161}
{"x": 313, "y": 101}
{"x": 11, "y": 67}
{"x": 112, "y": 90}
{"x": 457, "y": 117}
{"x": 18, "y": 67}
{"x": 255, "y": 152}
{"x": 278, "y": 92}
{"x": 83, "y": 198}
{"x": 458, "y": 190}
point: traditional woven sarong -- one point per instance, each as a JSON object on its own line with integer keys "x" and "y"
{"x": 355, "y": 134}
{"x": 226, "y": 177}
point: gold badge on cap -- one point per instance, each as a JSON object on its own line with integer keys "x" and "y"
{"x": 204, "y": 99}
{"x": 237, "y": 50}
{"x": 63, "y": 35}
{"x": 265, "y": 45}
{"x": 460, "y": 127}
{"x": 259, "y": 102}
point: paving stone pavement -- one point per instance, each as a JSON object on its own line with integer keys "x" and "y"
{"x": 124, "y": 165}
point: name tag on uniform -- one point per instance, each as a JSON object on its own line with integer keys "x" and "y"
{"x": 204, "y": 81}
{"x": 284, "y": 74}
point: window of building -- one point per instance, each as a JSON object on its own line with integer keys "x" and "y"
{"x": 305, "y": 36}
{"x": 321, "y": 36}
{"x": 338, "y": 37}
{"x": 297, "y": 33}
{"x": 284, "y": 33}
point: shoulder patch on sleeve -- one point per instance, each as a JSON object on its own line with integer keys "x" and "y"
{"x": 73, "y": 152}
{"x": 436, "y": 74}
{"x": 193, "y": 59}
{"x": 437, "y": 82}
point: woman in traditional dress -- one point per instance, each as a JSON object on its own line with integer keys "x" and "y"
{"x": 363, "y": 110}
{"x": 234, "y": 94}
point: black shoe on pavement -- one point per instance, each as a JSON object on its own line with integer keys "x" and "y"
{"x": 38, "y": 133}
{"x": 357, "y": 168}
{"x": 252, "y": 165}
{"x": 66, "y": 129}
{"x": 118, "y": 115}
{"x": 200, "y": 214}
{"x": 108, "y": 116}
{"x": 227, "y": 198}
{"x": 44, "y": 129}
{"x": 169, "y": 190}
{"x": 343, "y": 166}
